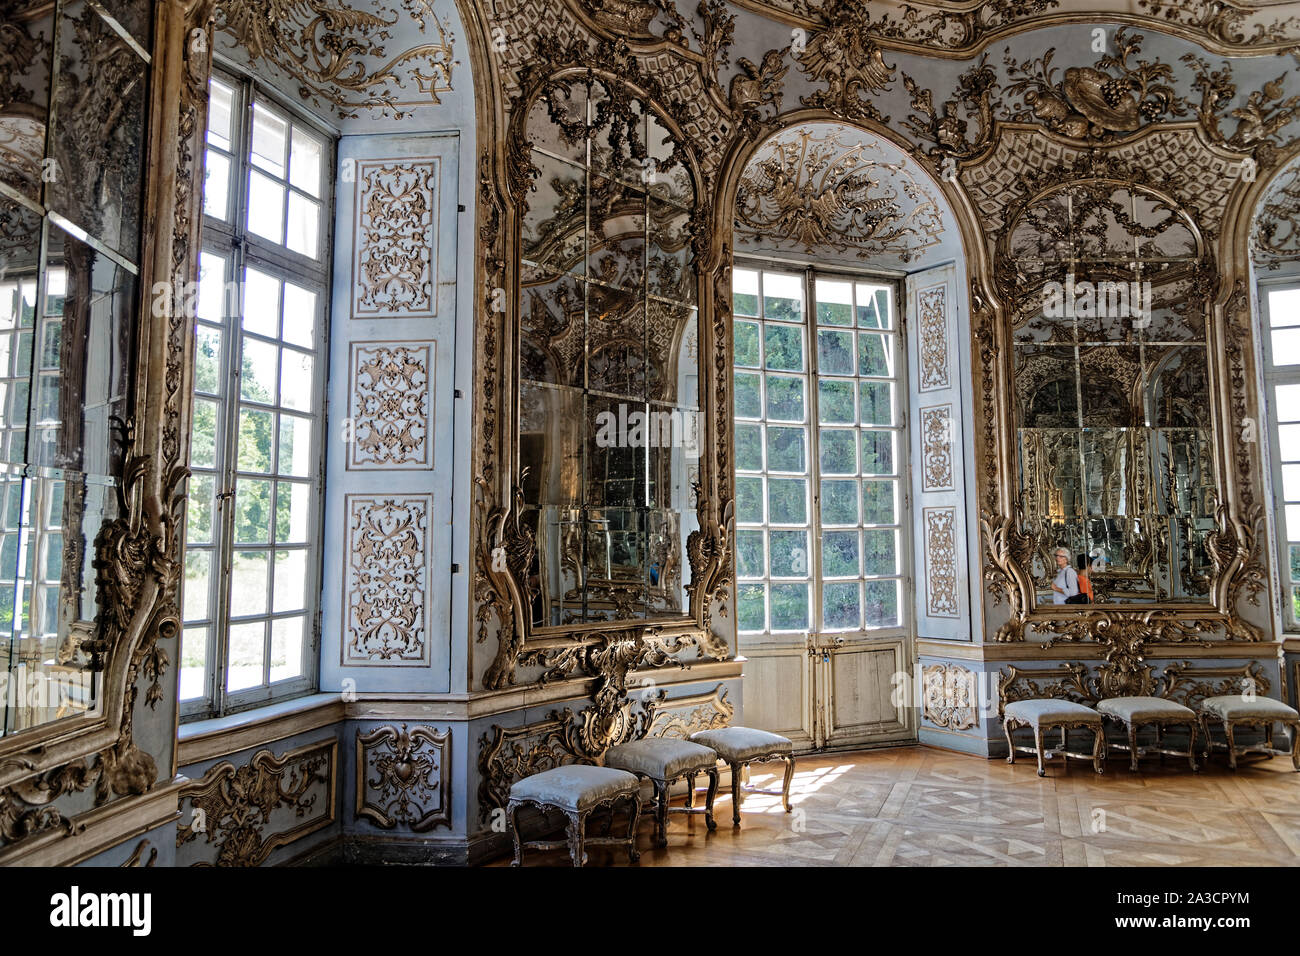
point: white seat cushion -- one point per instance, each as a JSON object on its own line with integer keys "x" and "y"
{"x": 1046, "y": 711}
{"x": 738, "y": 744}
{"x": 1234, "y": 706}
{"x": 661, "y": 758}
{"x": 575, "y": 786}
{"x": 1135, "y": 710}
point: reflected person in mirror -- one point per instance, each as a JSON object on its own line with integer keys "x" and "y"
{"x": 1066, "y": 584}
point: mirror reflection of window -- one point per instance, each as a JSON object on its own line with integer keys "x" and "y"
{"x": 609, "y": 361}
{"x": 1111, "y": 370}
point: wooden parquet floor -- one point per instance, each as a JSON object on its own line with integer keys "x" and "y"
{"x": 915, "y": 806}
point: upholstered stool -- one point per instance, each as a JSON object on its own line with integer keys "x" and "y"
{"x": 1134, "y": 712}
{"x": 663, "y": 761}
{"x": 739, "y": 747}
{"x": 1044, "y": 714}
{"x": 1237, "y": 710}
{"x": 576, "y": 790}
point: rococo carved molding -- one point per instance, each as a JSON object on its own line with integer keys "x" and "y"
{"x": 243, "y": 811}
{"x": 403, "y": 776}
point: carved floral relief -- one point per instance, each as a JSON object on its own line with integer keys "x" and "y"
{"x": 395, "y": 234}
{"x": 941, "y": 581}
{"x": 403, "y": 777}
{"x": 390, "y": 398}
{"x": 386, "y": 580}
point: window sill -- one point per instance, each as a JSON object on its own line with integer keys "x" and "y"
{"x": 202, "y": 740}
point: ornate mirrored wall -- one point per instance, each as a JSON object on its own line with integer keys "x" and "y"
{"x": 1114, "y": 443}
{"x": 72, "y": 134}
{"x": 609, "y": 398}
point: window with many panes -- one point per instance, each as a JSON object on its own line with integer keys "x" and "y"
{"x": 818, "y": 439}
{"x": 252, "y": 563}
{"x": 1281, "y": 308}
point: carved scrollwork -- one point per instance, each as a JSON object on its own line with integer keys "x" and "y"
{"x": 244, "y": 809}
{"x": 403, "y": 777}
{"x": 845, "y": 57}
{"x": 950, "y": 698}
{"x": 336, "y": 53}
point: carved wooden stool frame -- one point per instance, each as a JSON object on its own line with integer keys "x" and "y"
{"x": 663, "y": 792}
{"x": 1098, "y": 745}
{"x": 1266, "y": 748}
{"x": 736, "y": 788}
{"x": 575, "y": 838}
{"x": 1134, "y": 751}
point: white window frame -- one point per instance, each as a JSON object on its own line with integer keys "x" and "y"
{"x": 241, "y": 248}
{"x": 814, "y": 527}
{"x": 1274, "y": 376}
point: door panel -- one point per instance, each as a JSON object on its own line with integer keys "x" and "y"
{"x": 777, "y": 693}
{"x": 861, "y": 693}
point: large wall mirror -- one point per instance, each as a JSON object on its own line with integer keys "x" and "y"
{"x": 609, "y": 354}
{"x": 72, "y": 132}
{"x": 1115, "y": 449}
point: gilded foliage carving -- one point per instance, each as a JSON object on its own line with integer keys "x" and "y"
{"x": 932, "y": 338}
{"x": 385, "y": 579}
{"x": 683, "y": 716}
{"x": 937, "y": 436}
{"x": 395, "y": 255}
{"x": 246, "y": 812}
{"x": 845, "y": 57}
{"x": 941, "y": 583}
{"x": 390, "y": 397}
{"x": 338, "y": 54}
{"x": 402, "y": 776}
{"x": 1276, "y": 235}
{"x": 950, "y": 697}
{"x": 815, "y": 192}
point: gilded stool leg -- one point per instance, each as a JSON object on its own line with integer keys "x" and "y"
{"x": 785, "y": 786}
{"x": 1065, "y": 738}
{"x": 575, "y": 839}
{"x": 1011, "y": 747}
{"x": 690, "y": 791}
{"x": 708, "y": 798}
{"x": 1133, "y": 747}
{"x": 1204, "y": 721}
{"x": 512, "y": 815}
{"x": 1232, "y": 744}
{"x": 633, "y": 854}
{"x": 1038, "y": 743}
{"x": 1099, "y": 748}
{"x": 735, "y": 794}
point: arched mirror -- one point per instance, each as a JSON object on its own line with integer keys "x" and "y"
{"x": 1114, "y": 448}
{"x": 609, "y": 349}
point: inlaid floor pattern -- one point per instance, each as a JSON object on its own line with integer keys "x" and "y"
{"x": 915, "y": 806}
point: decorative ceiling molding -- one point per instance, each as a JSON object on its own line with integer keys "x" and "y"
{"x": 962, "y": 29}
{"x": 1275, "y": 238}
{"x": 816, "y": 187}
{"x": 338, "y": 55}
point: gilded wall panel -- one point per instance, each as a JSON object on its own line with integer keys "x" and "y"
{"x": 395, "y": 230}
{"x": 937, "y": 448}
{"x": 950, "y": 696}
{"x": 385, "y": 580}
{"x": 941, "y": 584}
{"x": 932, "y": 336}
{"x": 391, "y": 398}
{"x": 237, "y": 815}
{"x": 403, "y": 778}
